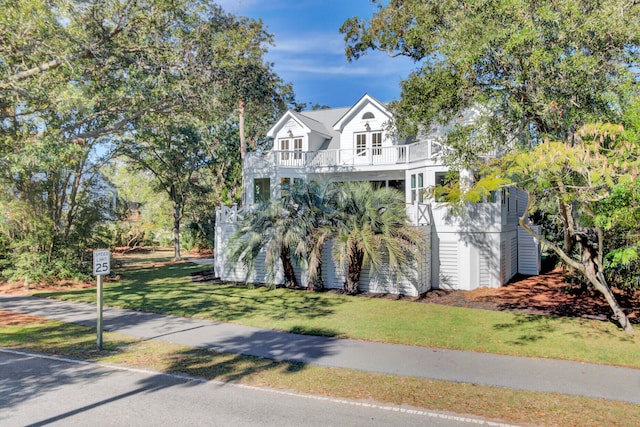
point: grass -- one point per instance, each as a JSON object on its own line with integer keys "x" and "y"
{"x": 513, "y": 406}
{"x": 169, "y": 289}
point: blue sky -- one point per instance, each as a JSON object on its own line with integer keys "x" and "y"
{"x": 309, "y": 50}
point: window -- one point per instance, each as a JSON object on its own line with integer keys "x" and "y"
{"x": 413, "y": 188}
{"x": 376, "y": 143}
{"x": 261, "y": 190}
{"x": 361, "y": 144}
{"x": 284, "y": 148}
{"x": 417, "y": 188}
{"x": 368, "y": 116}
{"x": 297, "y": 148}
{"x": 418, "y": 191}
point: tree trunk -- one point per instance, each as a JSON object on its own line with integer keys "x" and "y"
{"x": 243, "y": 146}
{"x": 596, "y": 278}
{"x": 315, "y": 268}
{"x": 290, "y": 280}
{"x": 243, "y": 140}
{"x": 176, "y": 232}
{"x": 354, "y": 269}
{"x": 588, "y": 267}
{"x": 315, "y": 278}
{"x": 73, "y": 206}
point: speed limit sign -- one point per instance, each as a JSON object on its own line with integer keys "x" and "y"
{"x": 101, "y": 262}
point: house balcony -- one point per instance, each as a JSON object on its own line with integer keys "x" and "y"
{"x": 418, "y": 214}
{"x": 344, "y": 158}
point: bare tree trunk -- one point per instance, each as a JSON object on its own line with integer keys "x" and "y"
{"x": 588, "y": 267}
{"x": 73, "y": 206}
{"x": 315, "y": 280}
{"x": 316, "y": 283}
{"x": 596, "y": 277}
{"x": 243, "y": 146}
{"x": 176, "y": 238}
{"x": 290, "y": 280}
{"x": 354, "y": 270}
{"x": 243, "y": 140}
{"x": 177, "y": 216}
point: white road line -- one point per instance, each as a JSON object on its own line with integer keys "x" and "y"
{"x": 430, "y": 414}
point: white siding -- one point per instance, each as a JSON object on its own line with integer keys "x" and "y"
{"x": 528, "y": 252}
{"x": 332, "y": 276}
{"x": 503, "y": 262}
{"x": 514, "y": 257}
{"x": 449, "y": 265}
{"x": 522, "y": 199}
{"x": 485, "y": 269}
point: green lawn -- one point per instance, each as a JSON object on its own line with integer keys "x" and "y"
{"x": 169, "y": 289}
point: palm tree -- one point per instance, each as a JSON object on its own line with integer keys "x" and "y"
{"x": 291, "y": 230}
{"x": 313, "y": 214}
{"x": 372, "y": 229}
{"x": 270, "y": 227}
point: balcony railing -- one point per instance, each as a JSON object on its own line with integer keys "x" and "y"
{"x": 417, "y": 213}
{"x": 396, "y": 154}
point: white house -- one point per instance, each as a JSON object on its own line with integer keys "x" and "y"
{"x": 485, "y": 247}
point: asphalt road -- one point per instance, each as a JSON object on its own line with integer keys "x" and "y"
{"x": 40, "y": 390}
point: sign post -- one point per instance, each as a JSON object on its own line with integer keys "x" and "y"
{"x": 101, "y": 267}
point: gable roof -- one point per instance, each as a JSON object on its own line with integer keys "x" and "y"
{"x": 326, "y": 122}
{"x": 289, "y": 115}
{"x": 366, "y": 98}
{"x": 312, "y": 124}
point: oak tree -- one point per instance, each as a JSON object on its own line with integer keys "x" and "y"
{"x": 538, "y": 72}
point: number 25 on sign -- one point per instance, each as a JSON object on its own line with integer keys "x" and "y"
{"x": 101, "y": 262}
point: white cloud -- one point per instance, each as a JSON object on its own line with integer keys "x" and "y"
{"x": 373, "y": 64}
{"x": 311, "y": 43}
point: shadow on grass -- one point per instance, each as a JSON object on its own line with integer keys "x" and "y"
{"x": 534, "y": 328}
{"x": 168, "y": 289}
{"x": 224, "y": 367}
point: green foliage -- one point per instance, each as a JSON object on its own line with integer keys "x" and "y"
{"x": 368, "y": 226}
{"x": 173, "y": 154}
{"x": 48, "y": 216}
{"x": 541, "y": 69}
{"x": 372, "y": 228}
{"x": 548, "y": 81}
{"x": 76, "y": 76}
{"x": 272, "y": 228}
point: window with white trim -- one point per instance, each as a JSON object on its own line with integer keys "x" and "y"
{"x": 297, "y": 148}
{"x": 284, "y": 148}
{"x": 418, "y": 190}
{"x": 361, "y": 144}
{"x": 376, "y": 143}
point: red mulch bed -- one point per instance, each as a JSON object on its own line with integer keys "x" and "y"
{"x": 548, "y": 293}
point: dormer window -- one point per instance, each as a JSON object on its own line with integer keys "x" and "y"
{"x": 368, "y": 116}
